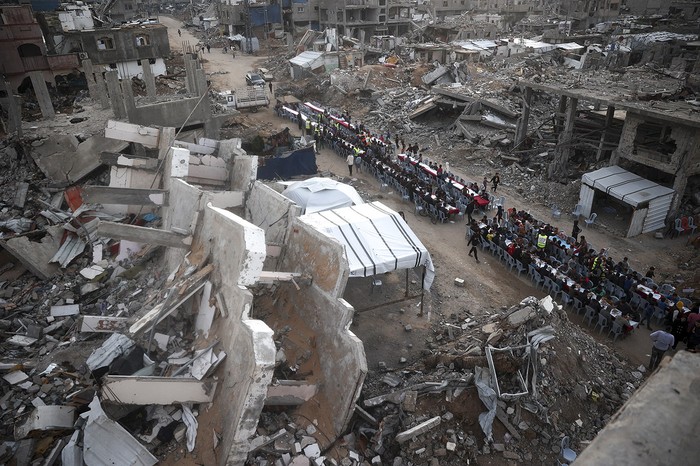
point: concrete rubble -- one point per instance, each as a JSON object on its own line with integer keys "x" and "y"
{"x": 151, "y": 313}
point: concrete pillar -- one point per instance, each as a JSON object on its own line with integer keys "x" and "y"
{"x": 190, "y": 83}
{"x": 101, "y": 88}
{"x": 201, "y": 82}
{"x": 559, "y": 165}
{"x": 13, "y": 105}
{"x": 89, "y": 73}
{"x": 115, "y": 95}
{"x": 609, "y": 117}
{"x": 521, "y": 132}
{"x": 42, "y": 94}
{"x": 559, "y": 119}
{"x": 679, "y": 184}
{"x": 165, "y": 141}
{"x": 149, "y": 79}
{"x": 129, "y": 101}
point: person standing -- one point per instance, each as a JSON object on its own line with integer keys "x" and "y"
{"x": 470, "y": 210}
{"x": 270, "y": 84}
{"x": 662, "y": 342}
{"x": 575, "y": 230}
{"x": 495, "y": 181}
{"x": 474, "y": 241}
{"x": 208, "y": 48}
{"x": 350, "y": 160}
{"x": 179, "y": 33}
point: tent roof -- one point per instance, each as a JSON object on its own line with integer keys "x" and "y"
{"x": 625, "y": 186}
{"x": 376, "y": 239}
{"x": 305, "y": 59}
{"x": 317, "y": 194}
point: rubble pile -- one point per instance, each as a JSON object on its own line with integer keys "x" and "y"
{"x": 553, "y": 379}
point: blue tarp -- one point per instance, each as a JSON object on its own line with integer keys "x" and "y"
{"x": 271, "y": 13}
{"x": 295, "y": 163}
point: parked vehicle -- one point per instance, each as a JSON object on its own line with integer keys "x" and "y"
{"x": 266, "y": 74}
{"x": 251, "y": 98}
{"x": 254, "y": 79}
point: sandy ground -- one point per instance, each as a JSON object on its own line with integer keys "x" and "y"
{"x": 489, "y": 285}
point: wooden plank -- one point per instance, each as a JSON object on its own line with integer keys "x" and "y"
{"x": 143, "y": 235}
{"x": 132, "y": 133}
{"x": 129, "y": 196}
{"x": 123, "y": 389}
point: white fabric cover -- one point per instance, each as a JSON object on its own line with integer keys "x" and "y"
{"x": 317, "y": 194}
{"x": 376, "y": 239}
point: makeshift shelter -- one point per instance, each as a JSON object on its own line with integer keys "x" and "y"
{"x": 650, "y": 202}
{"x": 317, "y": 194}
{"x": 295, "y": 163}
{"x": 305, "y": 62}
{"x": 376, "y": 240}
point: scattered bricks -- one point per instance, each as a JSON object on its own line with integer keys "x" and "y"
{"x": 300, "y": 460}
{"x": 459, "y": 282}
{"x": 319, "y": 461}
{"x": 402, "y": 360}
{"x": 398, "y": 461}
{"x": 377, "y": 460}
{"x": 354, "y": 456}
{"x": 34, "y": 331}
{"x": 310, "y": 429}
{"x": 296, "y": 449}
{"x": 409, "y": 401}
{"x": 447, "y": 417}
{"x": 434, "y": 462}
{"x": 440, "y": 452}
{"x": 511, "y": 455}
{"x": 498, "y": 447}
{"x": 418, "y": 430}
{"x": 306, "y": 441}
{"x": 451, "y": 446}
{"x": 408, "y": 328}
{"x": 382, "y": 365}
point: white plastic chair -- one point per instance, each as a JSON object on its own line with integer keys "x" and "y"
{"x": 567, "y": 453}
{"x": 591, "y": 220}
{"x": 691, "y": 224}
{"x": 577, "y": 211}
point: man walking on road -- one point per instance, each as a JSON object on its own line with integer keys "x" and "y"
{"x": 475, "y": 241}
{"x": 270, "y": 87}
{"x": 350, "y": 160}
{"x": 662, "y": 342}
{"x": 179, "y": 33}
{"x": 208, "y": 48}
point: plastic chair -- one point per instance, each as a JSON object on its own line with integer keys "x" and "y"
{"x": 567, "y": 453}
{"x": 635, "y": 301}
{"x": 616, "y": 330}
{"x": 578, "y": 305}
{"x": 602, "y": 323}
{"x": 556, "y": 212}
{"x": 591, "y": 220}
{"x": 659, "y": 314}
{"x": 521, "y": 268}
{"x": 667, "y": 288}
{"x": 577, "y": 211}
{"x": 678, "y": 227}
{"x": 685, "y": 224}
{"x": 692, "y": 225}
{"x": 565, "y": 298}
{"x": 589, "y": 315}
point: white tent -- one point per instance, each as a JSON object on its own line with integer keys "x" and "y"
{"x": 376, "y": 239}
{"x": 317, "y": 194}
{"x": 650, "y": 201}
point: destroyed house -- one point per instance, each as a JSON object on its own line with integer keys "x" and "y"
{"x": 361, "y": 19}
{"x": 24, "y": 51}
{"x": 232, "y": 16}
{"x": 119, "y": 48}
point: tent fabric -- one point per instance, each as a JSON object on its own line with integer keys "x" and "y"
{"x": 317, "y": 194}
{"x": 376, "y": 239}
{"x": 625, "y": 186}
{"x": 305, "y": 59}
{"x": 290, "y": 164}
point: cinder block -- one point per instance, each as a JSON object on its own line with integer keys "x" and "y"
{"x": 459, "y": 282}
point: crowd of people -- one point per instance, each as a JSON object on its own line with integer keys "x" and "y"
{"x": 426, "y": 183}
{"x": 567, "y": 264}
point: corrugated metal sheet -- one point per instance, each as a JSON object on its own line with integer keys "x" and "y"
{"x": 656, "y": 215}
{"x": 637, "y": 222}
{"x": 626, "y": 186}
{"x": 585, "y": 198}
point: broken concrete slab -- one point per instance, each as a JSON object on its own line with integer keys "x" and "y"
{"x": 143, "y": 234}
{"x": 433, "y": 76}
{"x": 46, "y": 418}
{"x": 68, "y": 310}
{"x": 290, "y": 393}
{"x": 64, "y": 160}
{"x": 106, "y": 442}
{"x": 106, "y": 324}
{"x": 35, "y": 255}
{"x": 157, "y": 390}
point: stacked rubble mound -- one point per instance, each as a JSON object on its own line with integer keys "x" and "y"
{"x": 509, "y": 385}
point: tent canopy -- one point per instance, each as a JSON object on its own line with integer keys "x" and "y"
{"x": 376, "y": 239}
{"x": 317, "y": 194}
{"x": 625, "y": 186}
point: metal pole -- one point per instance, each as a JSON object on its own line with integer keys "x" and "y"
{"x": 422, "y": 292}
{"x": 406, "y": 294}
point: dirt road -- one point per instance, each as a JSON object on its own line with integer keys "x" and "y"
{"x": 489, "y": 285}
